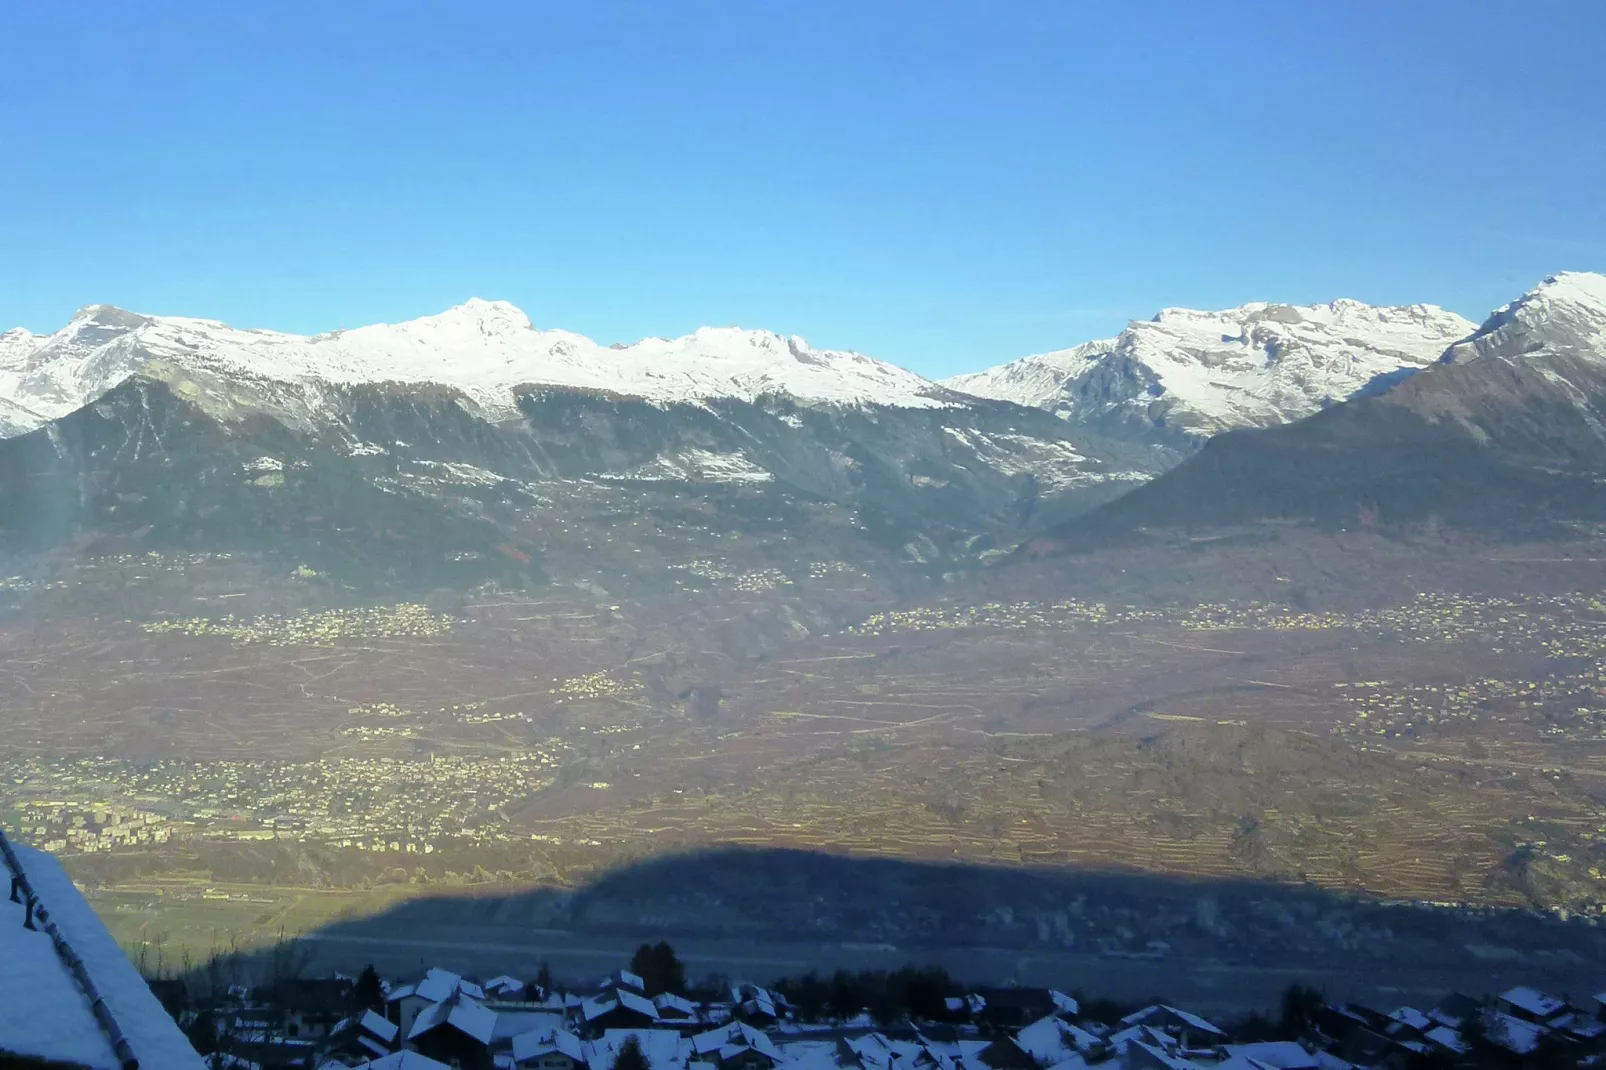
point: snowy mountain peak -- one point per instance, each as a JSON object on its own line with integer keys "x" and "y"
{"x": 476, "y": 312}
{"x": 1187, "y": 373}
{"x": 1564, "y": 313}
{"x": 485, "y": 349}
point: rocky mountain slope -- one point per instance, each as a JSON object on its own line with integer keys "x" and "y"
{"x": 471, "y": 436}
{"x": 1186, "y": 375}
{"x": 1506, "y": 431}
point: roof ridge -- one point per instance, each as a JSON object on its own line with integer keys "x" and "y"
{"x": 35, "y": 909}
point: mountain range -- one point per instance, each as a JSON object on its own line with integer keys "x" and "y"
{"x": 1505, "y": 431}
{"x": 473, "y": 436}
{"x": 1186, "y": 375}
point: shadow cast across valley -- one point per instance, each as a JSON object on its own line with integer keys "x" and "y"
{"x": 758, "y": 914}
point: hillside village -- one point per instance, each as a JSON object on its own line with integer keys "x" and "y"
{"x": 912, "y": 1019}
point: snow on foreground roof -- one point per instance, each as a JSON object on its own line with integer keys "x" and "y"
{"x": 1253, "y": 365}
{"x": 47, "y": 1013}
{"x": 484, "y": 348}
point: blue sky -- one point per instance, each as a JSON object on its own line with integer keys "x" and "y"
{"x": 943, "y": 185}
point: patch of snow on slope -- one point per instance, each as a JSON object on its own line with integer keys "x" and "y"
{"x": 699, "y": 466}
{"x": 484, "y": 348}
{"x": 1252, "y": 366}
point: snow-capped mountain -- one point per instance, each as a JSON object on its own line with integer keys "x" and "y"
{"x": 1506, "y": 431}
{"x": 1186, "y": 375}
{"x": 485, "y": 349}
{"x": 1565, "y": 315}
{"x": 465, "y": 434}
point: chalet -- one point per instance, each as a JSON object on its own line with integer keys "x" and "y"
{"x": 71, "y": 996}
{"x": 550, "y": 1049}
{"x": 365, "y": 1036}
{"x": 737, "y": 1046}
{"x": 1007, "y": 1053}
{"x": 630, "y": 982}
{"x": 504, "y": 987}
{"x": 757, "y": 1006}
{"x": 619, "y": 1009}
{"x": 966, "y": 1008}
{"x": 679, "y": 1012}
{"x": 1532, "y": 1005}
{"x": 404, "y": 1004}
{"x": 664, "y": 1049}
{"x": 457, "y": 1031}
{"x": 1051, "y": 1041}
{"x": 1189, "y": 1031}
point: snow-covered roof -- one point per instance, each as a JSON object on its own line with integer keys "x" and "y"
{"x": 1280, "y": 1054}
{"x": 462, "y": 1013}
{"x": 736, "y": 1035}
{"x": 680, "y": 1005}
{"x": 403, "y": 1060}
{"x": 379, "y": 1026}
{"x": 619, "y": 997}
{"x": 48, "y": 1009}
{"x": 502, "y": 984}
{"x": 1051, "y": 1040}
{"x": 1412, "y": 1017}
{"x": 1161, "y": 1010}
{"x": 1447, "y": 1038}
{"x": 439, "y": 984}
{"x": 664, "y": 1048}
{"x": 1533, "y": 1001}
{"x": 1164, "y": 1058}
{"x": 539, "y": 1042}
{"x": 1513, "y": 1033}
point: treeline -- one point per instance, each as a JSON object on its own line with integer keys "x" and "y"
{"x": 888, "y": 996}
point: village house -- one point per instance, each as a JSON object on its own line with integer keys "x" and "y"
{"x": 550, "y": 1049}
{"x": 457, "y": 1031}
{"x": 737, "y": 1046}
{"x": 619, "y": 1009}
{"x": 366, "y": 1036}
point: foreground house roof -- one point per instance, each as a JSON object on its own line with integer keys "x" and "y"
{"x": 70, "y": 994}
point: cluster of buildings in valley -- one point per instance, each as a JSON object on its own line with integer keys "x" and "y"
{"x": 444, "y": 1020}
{"x": 1568, "y": 706}
{"x": 1552, "y": 625}
{"x": 414, "y": 805}
{"x": 406, "y": 620}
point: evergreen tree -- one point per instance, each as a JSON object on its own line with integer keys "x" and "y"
{"x": 368, "y": 994}
{"x": 1300, "y": 1005}
{"x": 630, "y": 1056}
{"x": 659, "y": 969}
{"x": 543, "y": 980}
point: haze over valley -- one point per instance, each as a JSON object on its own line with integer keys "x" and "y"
{"x": 1254, "y": 605}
